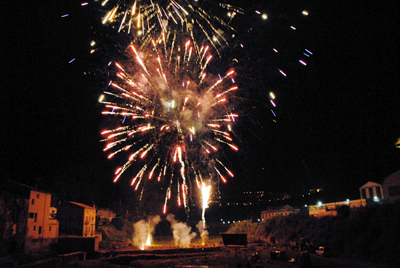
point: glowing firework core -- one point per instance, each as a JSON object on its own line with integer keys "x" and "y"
{"x": 205, "y": 197}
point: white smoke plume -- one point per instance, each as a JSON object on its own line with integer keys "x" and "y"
{"x": 183, "y": 234}
{"x": 143, "y": 231}
{"x": 203, "y": 232}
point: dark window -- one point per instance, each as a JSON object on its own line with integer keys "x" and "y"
{"x": 49, "y": 228}
{"x": 34, "y": 228}
{"x": 31, "y": 215}
{"x": 363, "y": 193}
{"x": 394, "y": 190}
{"x": 35, "y": 217}
{"x": 33, "y": 201}
{"x": 371, "y": 192}
{"x": 12, "y": 214}
{"x": 40, "y": 230}
{"x": 378, "y": 192}
{"x": 37, "y": 196}
{"x": 16, "y": 214}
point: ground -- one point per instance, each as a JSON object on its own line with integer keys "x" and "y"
{"x": 211, "y": 255}
{"x": 214, "y": 255}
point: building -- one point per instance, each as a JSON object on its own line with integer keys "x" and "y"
{"x": 104, "y": 215}
{"x": 28, "y": 218}
{"x": 331, "y": 209}
{"x": 42, "y": 226}
{"x": 391, "y": 187}
{"x": 372, "y": 192}
{"x": 278, "y": 211}
{"x": 77, "y": 219}
{"x": 13, "y": 221}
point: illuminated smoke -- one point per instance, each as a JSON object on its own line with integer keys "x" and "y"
{"x": 143, "y": 234}
{"x": 182, "y": 233}
{"x": 203, "y": 232}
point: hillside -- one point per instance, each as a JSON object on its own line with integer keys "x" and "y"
{"x": 370, "y": 233}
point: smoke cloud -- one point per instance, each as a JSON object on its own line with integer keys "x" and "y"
{"x": 203, "y": 232}
{"x": 143, "y": 231}
{"x": 182, "y": 233}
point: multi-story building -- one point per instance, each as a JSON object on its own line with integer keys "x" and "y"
{"x": 42, "y": 226}
{"x": 278, "y": 211}
{"x": 28, "y": 217}
{"x": 77, "y": 219}
{"x": 13, "y": 221}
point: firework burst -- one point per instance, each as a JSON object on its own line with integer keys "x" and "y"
{"x": 147, "y": 20}
{"x": 169, "y": 119}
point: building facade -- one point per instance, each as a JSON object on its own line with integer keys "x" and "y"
{"x": 26, "y": 220}
{"x": 13, "y": 222}
{"x": 372, "y": 191}
{"x": 77, "y": 219}
{"x": 278, "y": 211}
{"x": 391, "y": 187}
{"x": 42, "y": 227}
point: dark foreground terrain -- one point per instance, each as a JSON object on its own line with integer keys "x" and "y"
{"x": 225, "y": 257}
{"x": 196, "y": 257}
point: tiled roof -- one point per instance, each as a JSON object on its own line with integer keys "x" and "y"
{"x": 81, "y": 205}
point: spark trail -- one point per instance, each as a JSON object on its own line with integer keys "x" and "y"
{"x": 205, "y": 200}
{"x": 147, "y": 20}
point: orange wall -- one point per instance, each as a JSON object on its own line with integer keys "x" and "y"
{"x": 39, "y": 223}
{"x": 89, "y": 221}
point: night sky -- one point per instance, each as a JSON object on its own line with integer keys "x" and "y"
{"x": 337, "y": 119}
